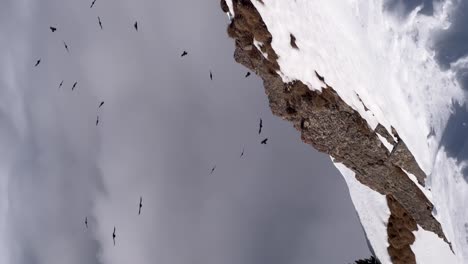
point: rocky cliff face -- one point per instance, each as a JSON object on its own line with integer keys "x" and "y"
{"x": 327, "y": 123}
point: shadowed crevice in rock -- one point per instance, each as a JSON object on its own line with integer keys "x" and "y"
{"x": 327, "y": 123}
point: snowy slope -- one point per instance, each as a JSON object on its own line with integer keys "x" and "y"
{"x": 372, "y": 210}
{"x": 365, "y": 54}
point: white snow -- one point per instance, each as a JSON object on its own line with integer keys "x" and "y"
{"x": 426, "y": 192}
{"x": 361, "y": 49}
{"x": 231, "y": 9}
{"x": 429, "y": 248}
{"x": 385, "y": 142}
{"x": 259, "y": 45}
{"x": 373, "y": 212}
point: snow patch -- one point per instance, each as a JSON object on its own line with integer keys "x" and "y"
{"x": 372, "y": 210}
{"x": 231, "y": 9}
{"x": 430, "y": 249}
{"x": 259, "y": 45}
{"x": 385, "y": 142}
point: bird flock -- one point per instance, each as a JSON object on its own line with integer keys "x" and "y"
{"x": 184, "y": 53}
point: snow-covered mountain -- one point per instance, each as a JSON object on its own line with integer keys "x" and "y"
{"x": 365, "y": 88}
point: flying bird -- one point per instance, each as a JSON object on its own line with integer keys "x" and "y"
{"x": 139, "y": 210}
{"x": 74, "y": 85}
{"x": 86, "y": 222}
{"x": 321, "y": 78}
{"x": 97, "y": 120}
{"x": 242, "y": 154}
{"x": 260, "y": 127}
{"x": 136, "y": 25}
{"x": 264, "y": 141}
{"x": 61, "y": 83}
{"x": 113, "y": 236}
{"x": 100, "y": 24}
{"x": 66, "y": 46}
{"x": 247, "y": 75}
{"x": 92, "y": 4}
{"x": 211, "y": 75}
{"x": 101, "y": 104}
{"x": 212, "y": 170}
{"x": 37, "y": 63}
{"x": 53, "y": 29}
{"x": 184, "y": 53}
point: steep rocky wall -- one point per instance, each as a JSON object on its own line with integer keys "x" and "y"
{"x": 328, "y": 124}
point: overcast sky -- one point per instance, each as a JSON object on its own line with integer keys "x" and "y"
{"x": 163, "y": 126}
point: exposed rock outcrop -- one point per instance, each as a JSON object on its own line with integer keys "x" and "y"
{"x": 330, "y": 125}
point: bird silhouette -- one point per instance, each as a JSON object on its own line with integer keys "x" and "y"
{"x": 74, "y": 85}
{"x": 213, "y": 169}
{"x": 86, "y": 222}
{"x": 141, "y": 205}
{"x": 242, "y": 154}
{"x": 247, "y": 74}
{"x": 184, "y": 53}
{"x": 113, "y": 236}
{"x": 100, "y": 23}
{"x": 264, "y": 141}
{"x": 321, "y": 78}
{"x": 260, "y": 126}
{"x": 97, "y": 120}
{"x": 92, "y": 4}
{"x": 136, "y": 25}
{"x": 37, "y": 63}
{"x": 101, "y": 104}
{"x": 66, "y": 46}
{"x": 211, "y": 75}
{"x": 53, "y": 29}
{"x": 61, "y": 83}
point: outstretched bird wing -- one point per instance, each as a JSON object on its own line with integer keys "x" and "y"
{"x": 260, "y": 126}
{"x": 92, "y": 4}
{"x": 66, "y": 46}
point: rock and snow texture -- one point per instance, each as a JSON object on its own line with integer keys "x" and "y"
{"x": 372, "y": 210}
{"x": 361, "y": 50}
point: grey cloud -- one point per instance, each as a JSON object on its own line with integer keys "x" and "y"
{"x": 162, "y": 128}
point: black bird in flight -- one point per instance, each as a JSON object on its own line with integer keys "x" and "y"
{"x": 211, "y": 75}
{"x": 101, "y": 104}
{"x": 184, "y": 53}
{"x": 321, "y": 78}
{"x": 97, "y": 120}
{"x": 264, "y": 141}
{"x": 136, "y": 25}
{"x": 247, "y": 75}
{"x": 74, "y": 85}
{"x": 37, "y": 63}
{"x": 260, "y": 127}
{"x": 242, "y": 154}
{"x": 92, "y": 4}
{"x": 100, "y": 24}
{"x": 212, "y": 170}
{"x": 86, "y": 222}
{"x": 53, "y": 29}
{"x": 139, "y": 210}
{"x": 61, "y": 83}
{"x": 113, "y": 236}
{"x": 66, "y": 46}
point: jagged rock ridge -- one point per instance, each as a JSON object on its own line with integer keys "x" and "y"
{"x": 330, "y": 125}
